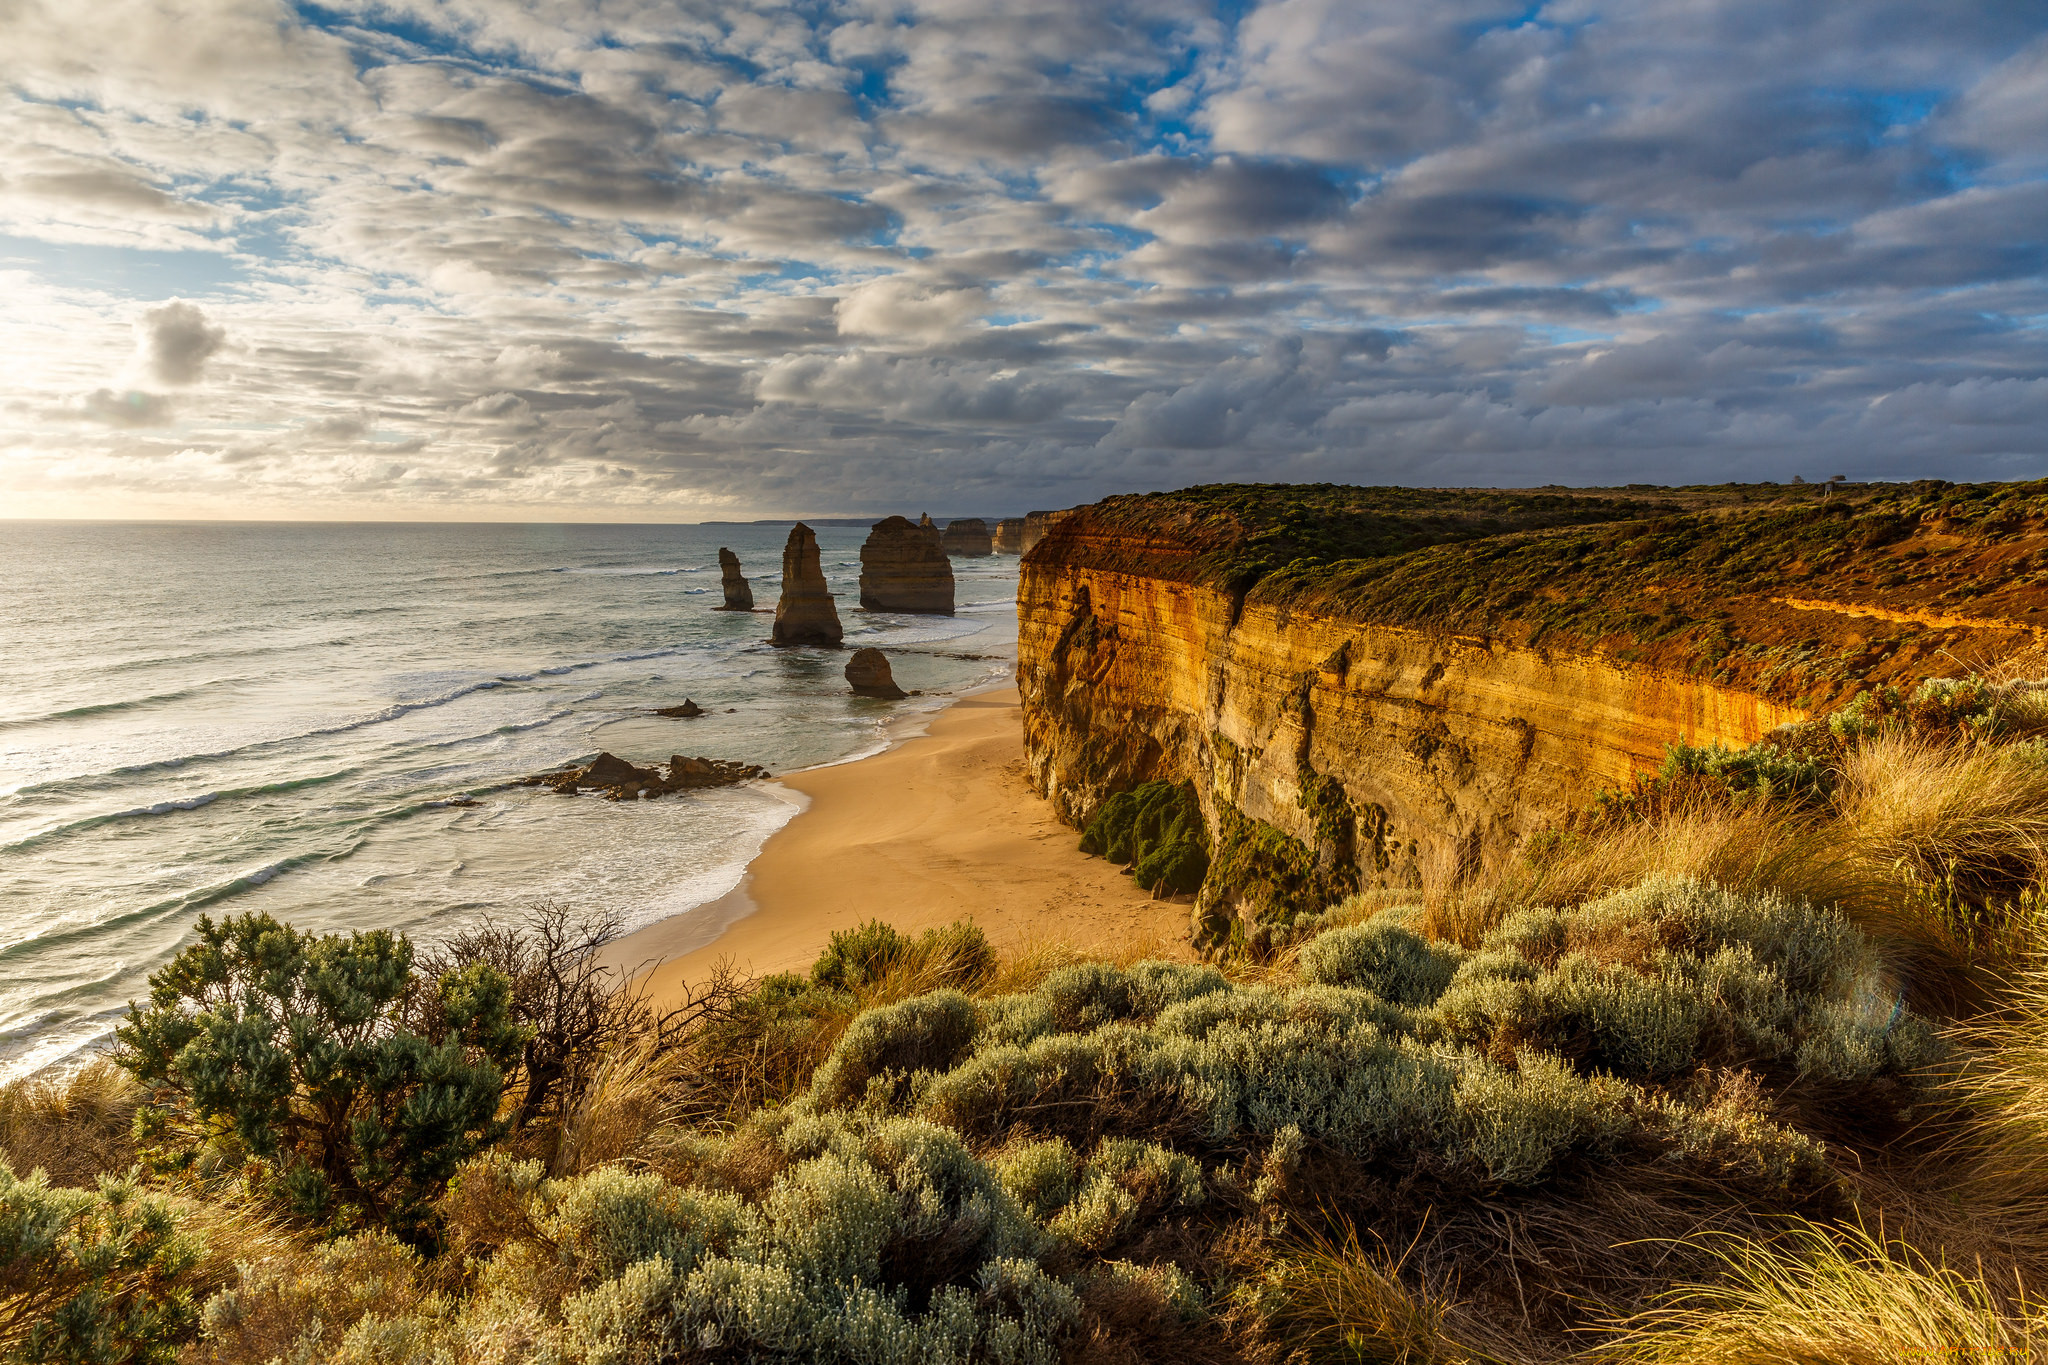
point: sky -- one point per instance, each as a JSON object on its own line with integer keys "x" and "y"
{"x": 672, "y": 260}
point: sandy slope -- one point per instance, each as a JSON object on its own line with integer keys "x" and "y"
{"x": 938, "y": 828}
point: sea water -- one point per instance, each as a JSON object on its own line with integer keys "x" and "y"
{"x": 211, "y": 719}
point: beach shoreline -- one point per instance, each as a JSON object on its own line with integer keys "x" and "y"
{"x": 940, "y": 826}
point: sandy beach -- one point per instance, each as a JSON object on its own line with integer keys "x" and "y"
{"x": 939, "y": 827}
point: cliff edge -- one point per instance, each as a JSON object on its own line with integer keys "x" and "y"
{"x": 1393, "y": 686}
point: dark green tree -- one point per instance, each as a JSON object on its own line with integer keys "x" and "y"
{"x": 295, "y": 1047}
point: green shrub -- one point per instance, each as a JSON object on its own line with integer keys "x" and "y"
{"x": 882, "y": 1240}
{"x": 1384, "y": 957}
{"x": 956, "y": 954}
{"x": 894, "y": 1043}
{"x": 1559, "y": 1041}
{"x": 294, "y": 1045}
{"x": 307, "y": 1305}
{"x": 1759, "y": 774}
{"x": 1156, "y": 830}
{"x": 91, "y": 1276}
{"x": 1659, "y": 980}
{"x": 1125, "y": 1184}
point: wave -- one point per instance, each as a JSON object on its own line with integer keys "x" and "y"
{"x": 389, "y": 713}
{"x": 173, "y": 806}
{"x": 102, "y": 708}
{"x": 68, "y": 938}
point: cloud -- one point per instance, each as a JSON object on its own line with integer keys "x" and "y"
{"x": 175, "y": 340}
{"x": 895, "y": 306}
{"x": 128, "y": 409}
{"x": 759, "y": 257}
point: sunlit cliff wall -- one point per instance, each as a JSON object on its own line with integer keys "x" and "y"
{"x": 1455, "y": 734}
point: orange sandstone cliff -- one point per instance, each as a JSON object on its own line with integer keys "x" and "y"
{"x": 1407, "y": 682}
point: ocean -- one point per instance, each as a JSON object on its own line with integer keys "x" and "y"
{"x": 206, "y": 718}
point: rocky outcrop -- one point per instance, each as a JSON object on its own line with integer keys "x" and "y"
{"x": 804, "y": 614}
{"x": 615, "y": 779}
{"x": 903, "y": 567}
{"x": 968, "y": 538}
{"x": 1009, "y": 536}
{"x": 689, "y": 710}
{"x": 739, "y": 594}
{"x": 867, "y": 673}
{"x": 1036, "y": 524}
{"x": 1452, "y": 681}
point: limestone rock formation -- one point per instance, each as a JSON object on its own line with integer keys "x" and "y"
{"x": 867, "y": 672}
{"x": 617, "y": 780}
{"x": 903, "y": 567}
{"x": 739, "y": 594}
{"x": 804, "y": 615}
{"x": 1036, "y": 524}
{"x": 967, "y": 538}
{"x": 689, "y": 710}
{"x": 1009, "y": 538}
{"x": 1422, "y": 719}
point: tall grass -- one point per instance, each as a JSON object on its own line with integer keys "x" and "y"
{"x": 74, "y": 1128}
{"x": 1340, "y": 1299}
{"x": 1835, "y": 1296}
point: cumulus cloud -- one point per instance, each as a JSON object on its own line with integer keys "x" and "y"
{"x": 772, "y": 257}
{"x": 175, "y": 340}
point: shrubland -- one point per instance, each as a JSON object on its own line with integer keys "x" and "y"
{"x": 1745, "y": 1063}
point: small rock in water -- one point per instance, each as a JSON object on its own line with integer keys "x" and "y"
{"x": 619, "y": 780}
{"x": 868, "y": 674}
{"x": 688, "y": 710}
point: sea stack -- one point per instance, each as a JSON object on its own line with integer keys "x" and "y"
{"x": 867, "y": 672}
{"x": 967, "y": 538}
{"x": 903, "y": 567}
{"x": 739, "y": 594}
{"x": 804, "y": 615}
{"x": 1009, "y": 537}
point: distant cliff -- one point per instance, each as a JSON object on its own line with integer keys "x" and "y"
{"x": 1404, "y": 683}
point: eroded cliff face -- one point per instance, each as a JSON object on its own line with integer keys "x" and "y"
{"x": 1413, "y": 747}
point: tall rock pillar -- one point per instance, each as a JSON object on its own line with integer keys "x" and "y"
{"x": 739, "y": 594}
{"x": 804, "y": 615}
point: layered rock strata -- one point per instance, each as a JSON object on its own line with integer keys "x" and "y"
{"x": 1036, "y": 524}
{"x": 903, "y": 567}
{"x": 617, "y": 780}
{"x": 804, "y": 614}
{"x": 739, "y": 594}
{"x": 967, "y": 538}
{"x": 1009, "y": 536}
{"x": 867, "y": 673}
{"x": 1436, "y": 692}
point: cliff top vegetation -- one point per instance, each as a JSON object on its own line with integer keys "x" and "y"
{"x": 1799, "y": 591}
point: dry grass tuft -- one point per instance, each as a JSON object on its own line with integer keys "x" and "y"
{"x": 1339, "y": 1299}
{"x": 1823, "y": 1296}
{"x": 73, "y": 1127}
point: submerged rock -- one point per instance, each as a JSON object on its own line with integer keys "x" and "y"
{"x": 739, "y": 594}
{"x": 618, "y": 780}
{"x": 903, "y": 567}
{"x": 804, "y": 615}
{"x": 968, "y": 538}
{"x": 867, "y": 672}
{"x": 689, "y": 710}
